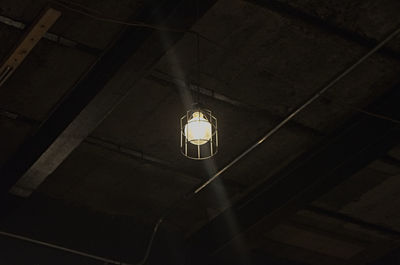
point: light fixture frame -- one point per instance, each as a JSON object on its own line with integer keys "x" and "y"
{"x": 204, "y": 151}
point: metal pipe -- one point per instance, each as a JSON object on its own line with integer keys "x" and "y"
{"x": 4, "y": 75}
{"x": 296, "y": 111}
{"x": 72, "y": 251}
{"x": 128, "y": 152}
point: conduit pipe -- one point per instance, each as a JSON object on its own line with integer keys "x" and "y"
{"x": 53, "y": 246}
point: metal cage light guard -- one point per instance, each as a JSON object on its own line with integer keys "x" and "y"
{"x": 199, "y": 129}
{"x": 199, "y": 134}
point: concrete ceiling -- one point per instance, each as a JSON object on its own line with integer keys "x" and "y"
{"x": 266, "y": 58}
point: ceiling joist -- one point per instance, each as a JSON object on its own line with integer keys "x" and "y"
{"x": 28, "y": 42}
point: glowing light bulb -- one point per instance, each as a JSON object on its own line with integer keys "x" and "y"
{"x": 198, "y": 129}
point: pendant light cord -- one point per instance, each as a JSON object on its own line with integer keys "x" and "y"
{"x": 198, "y": 54}
{"x": 97, "y": 15}
{"x": 198, "y": 66}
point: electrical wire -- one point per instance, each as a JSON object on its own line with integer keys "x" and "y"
{"x": 369, "y": 113}
{"x": 379, "y": 116}
{"x": 198, "y": 54}
{"x": 99, "y": 17}
{"x": 53, "y": 246}
{"x": 150, "y": 243}
{"x": 78, "y": 5}
{"x": 116, "y": 21}
{"x": 86, "y": 255}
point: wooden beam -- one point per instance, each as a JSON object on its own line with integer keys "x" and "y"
{"x": 30, "y": 39}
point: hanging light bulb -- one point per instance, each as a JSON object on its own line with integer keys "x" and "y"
{"x": 198, "y": 129}
{"x": 199, "y": 134}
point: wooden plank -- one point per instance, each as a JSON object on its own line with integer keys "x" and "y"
{"x": 30, "y": 39}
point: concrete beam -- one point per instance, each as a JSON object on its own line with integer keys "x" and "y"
{"x": 287, "y": 10}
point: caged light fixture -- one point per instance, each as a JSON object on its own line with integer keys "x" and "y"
{"x": 199, "y": 129}
{"x": 199, "y": 133}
